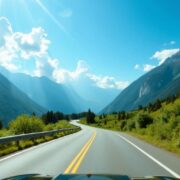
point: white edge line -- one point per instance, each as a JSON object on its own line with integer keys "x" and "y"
{"x": 34, "y": 147}
{"x": 151, "y": 157}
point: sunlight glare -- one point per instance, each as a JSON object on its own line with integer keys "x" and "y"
{"x": 42, "y": 6}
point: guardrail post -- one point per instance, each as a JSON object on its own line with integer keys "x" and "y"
{"x": 18, "y": 145}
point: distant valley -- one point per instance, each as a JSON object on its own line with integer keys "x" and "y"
{"x": 50, "y": 95}
{"x": 21, "y": 93}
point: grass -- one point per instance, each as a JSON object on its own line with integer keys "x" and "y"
{"x": 160, "y": 127}
{"x": 164, "y": 144}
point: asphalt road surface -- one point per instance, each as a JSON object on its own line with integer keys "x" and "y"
{"x": 93, "y": 150}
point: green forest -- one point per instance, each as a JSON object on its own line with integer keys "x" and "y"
{"x": 157, "y": 123}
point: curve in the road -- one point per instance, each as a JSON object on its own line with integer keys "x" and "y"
{"x": 93, "y": 150}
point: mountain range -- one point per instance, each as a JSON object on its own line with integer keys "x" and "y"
{"x": 59, "y": 97}
{"x": 47, "y": 93}
{"x": 21, "y": 93}
{"x": 14, "y": 102}
{"x": 160, "y": 82}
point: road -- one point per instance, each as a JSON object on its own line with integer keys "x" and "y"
{"x": 92, "y": 150}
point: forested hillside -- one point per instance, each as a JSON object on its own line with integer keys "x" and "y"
{"x": 159, "y": 83}
{"x": 158, "y": 123}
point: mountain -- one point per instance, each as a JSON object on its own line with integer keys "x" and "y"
{"x": 14, "y": 102}
{"x": 160, "y": 82}
{"x": 95, "y": 97}
{"x": 68, "y": 98}
{"x": 47, "y": 93}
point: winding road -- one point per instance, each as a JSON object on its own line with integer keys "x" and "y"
{"x": 93, "y": 150}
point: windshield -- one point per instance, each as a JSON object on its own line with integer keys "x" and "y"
{"x": 89, "y": 89}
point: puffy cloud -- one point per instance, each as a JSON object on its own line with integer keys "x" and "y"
{"x": 161, "y": 56}
{"x": 8, "y": 46}
{"x": 43, "y": 67}
{"x": 81, "y": 68}
{"x": 63, "y": 76}
{"x": 106, "y": 82}
{"x": 18, "y": 46}
{"x": 144, "y": 67}
{"x": 33, "y": 44}
{"x": 148, "y": 67}
{"x": 164, "y": 54}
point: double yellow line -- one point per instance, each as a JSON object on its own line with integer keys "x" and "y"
{"x": 74, "y": 165}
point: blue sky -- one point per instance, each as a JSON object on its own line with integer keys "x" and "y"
{"x": 111, "y": 42}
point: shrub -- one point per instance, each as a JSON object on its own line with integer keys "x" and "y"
{"x": 122, "y": 124}
{"x": 26, "y": 124}
{"x": 4, "y": 132}
{"x": 90, "y": 117}
{"x": 143, "y": 119}
{"x": 105, "y": 121}
{"x": 130, "y": 125}
{"x": 163, "y": 132}
{"x": 176, "y": 136}
{"x": 177, "y": 108}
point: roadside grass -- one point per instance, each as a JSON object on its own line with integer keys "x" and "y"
{"x": 164, "y": 144}
{"x": 160, "y": 127}
{"x": 12, "y": 147}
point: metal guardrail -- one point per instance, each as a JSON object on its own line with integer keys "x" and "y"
{"x": 17, "y": 138}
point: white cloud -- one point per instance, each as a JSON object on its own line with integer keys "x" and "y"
{"x": 144, "y": 67}
{"x": 62, "y": 75}
{"x": 7, "y": 45}
{"x": 66, "y": 13}
{"x": 107, "y": 82}
{"x": 161, "y": 56}
{"x": 148, "y": 67}
{"x": 164, "y": 54}
{"x": 16, "y": 47}
{"x": 81, "y": 68}
{"x": 32, "y": 44}
{"x": 43, "y": 67}
{"x": 121, "y": 84}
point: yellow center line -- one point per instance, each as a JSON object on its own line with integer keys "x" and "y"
{"x": 72, "y": 168}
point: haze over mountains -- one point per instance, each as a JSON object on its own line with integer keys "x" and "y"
{"x": 45, "y": 92}
{"x": 14, "y": 102}
{"x": 21, "y": 93}
{"x": 160, "y": 82}
{"x": 60, "y": 97}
